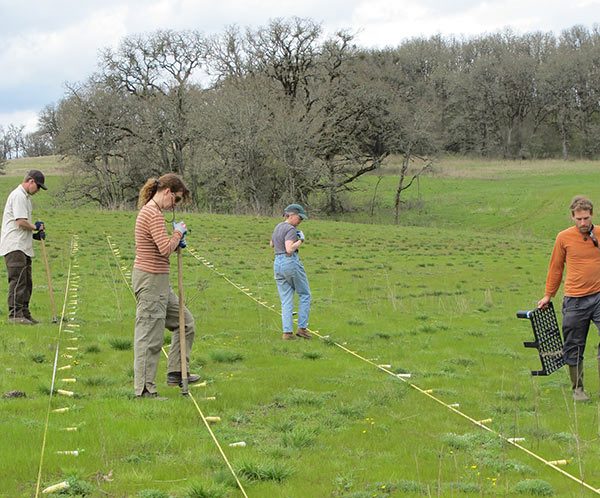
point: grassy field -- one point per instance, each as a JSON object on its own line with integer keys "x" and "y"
{"x": 435, "y": 297}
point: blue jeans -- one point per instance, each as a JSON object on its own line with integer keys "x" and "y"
{"x": 291, "y": 277}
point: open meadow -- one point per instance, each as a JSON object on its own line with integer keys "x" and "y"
{"x": 434, "y": 298}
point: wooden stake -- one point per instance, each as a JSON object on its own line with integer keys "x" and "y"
{"x": 49, "y": 277}
{"x": 182, "y": 344}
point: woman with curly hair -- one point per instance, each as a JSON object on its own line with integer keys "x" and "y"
{"x": 157, "y": 305}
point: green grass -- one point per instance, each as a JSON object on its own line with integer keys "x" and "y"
{"x": 435, "y": 297}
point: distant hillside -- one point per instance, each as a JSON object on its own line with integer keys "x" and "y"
{"x": 49, "y": 165}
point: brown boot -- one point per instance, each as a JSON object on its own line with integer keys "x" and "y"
{"x": 288, "y": 336}
{"x": 576, "y": 375}
{"x": 301, "y": 332}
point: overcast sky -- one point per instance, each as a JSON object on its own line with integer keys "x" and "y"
{"x": 45, "y": 43}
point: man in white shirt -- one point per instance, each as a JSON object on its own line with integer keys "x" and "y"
{"x": 16, "y": 245}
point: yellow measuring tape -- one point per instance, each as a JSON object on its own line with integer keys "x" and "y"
{"x": 480, "y": 423}
{"x": 124, "y": 274}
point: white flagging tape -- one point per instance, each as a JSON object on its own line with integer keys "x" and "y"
{"x": 206, "y": 420}
{"x": 61, "y": 323}
{"x": 427, "y": 392}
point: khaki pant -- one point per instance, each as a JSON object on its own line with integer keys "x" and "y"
{"x": 20, "y": 285}
{"x": 157, "y": 309}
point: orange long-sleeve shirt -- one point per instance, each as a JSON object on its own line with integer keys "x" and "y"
{"x": 153, "y": 246}
{"x": 582, "y": 258}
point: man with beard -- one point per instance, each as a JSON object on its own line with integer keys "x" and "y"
{"x": 577, "y": 248}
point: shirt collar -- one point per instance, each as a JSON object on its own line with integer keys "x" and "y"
{"x": 25, "y": 191}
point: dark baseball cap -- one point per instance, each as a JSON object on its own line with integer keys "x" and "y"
{"x": 296, "y": 209}
{"x": 38, "y": 177}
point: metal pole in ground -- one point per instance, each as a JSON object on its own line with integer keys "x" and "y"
{"x": 49, "y": 277}
{"x": 182, "y": 344}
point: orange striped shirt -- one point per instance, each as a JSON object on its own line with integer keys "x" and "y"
{"x": 153, "y": 246}
{"x": 583, "y": 264}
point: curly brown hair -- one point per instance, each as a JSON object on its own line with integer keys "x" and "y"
{"x": 581, "y": 203}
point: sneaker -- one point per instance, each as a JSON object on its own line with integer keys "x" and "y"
{"x": 148, "y": 394}
{"x": 32, "y": 320}
{"x": 174, "y": 379}
{"x": 303, "y": 333}
{"x": 21, "y": 320}
{"x": 580, "y": 395}
{"x": 288, "y": 337}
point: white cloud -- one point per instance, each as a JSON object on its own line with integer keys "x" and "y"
{"x": 389, "y": 22}
{"x": 45, "y": 44}
{"x": 27, "y": 118}
{"x": 66, "y": 54}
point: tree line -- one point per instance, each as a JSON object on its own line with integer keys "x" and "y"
{"x": 14, "y": 143}
{"x": 256, "y": 118}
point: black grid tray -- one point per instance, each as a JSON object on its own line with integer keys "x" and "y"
{"x": 548, "y": 340}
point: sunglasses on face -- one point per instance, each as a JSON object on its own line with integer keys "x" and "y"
{"x": 177, "y": 198}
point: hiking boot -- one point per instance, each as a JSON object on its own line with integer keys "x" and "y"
{"x": 21, "y": 320}
{"x": 301, "y": 332}
{"x": 576, "y": 375}
{"x": 148, "y": 394}
{"x": 174, "y": 379}
{"x": 32, "y": 320}
{"x": 580, "y": 395}
{"x": 288, "y": 336}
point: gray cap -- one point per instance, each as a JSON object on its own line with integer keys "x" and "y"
{"x": 296, "y": 209}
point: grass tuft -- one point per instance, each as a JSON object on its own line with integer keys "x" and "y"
{"x": 534, "y": 487}
{"x": 138, "y": 458}
{"x": 223, "y": 356}
{"x": 152, "y": 493}
{"x": 382, "y": 335}
{"x": 494, "y": 464}
{"x": 38, "y": 358}
{"x": 462, "y": 487}
{"x": 264, "y": 471}
{"x": 312, "y": 355}
{"x": 78, "y": 487}
{"x": 427, "y": 329}
{"x": 406, "y": 486}
{"x": 353, "y": 411}
{"x": 97, "y": 381}
{"x": 299, "y": 437}
{"x": 199, "y": 491}
{"x": 471, "y": 441}
{"x": 120, "y": 344}
{"x": 302, "y": 397}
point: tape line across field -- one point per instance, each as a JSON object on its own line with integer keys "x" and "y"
{"x": 126, "y": 275}
{"x": 63, "y": 325}
{"x": 384, "y": 368}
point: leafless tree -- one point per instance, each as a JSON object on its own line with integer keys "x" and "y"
{"x": 157, "y": 71}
